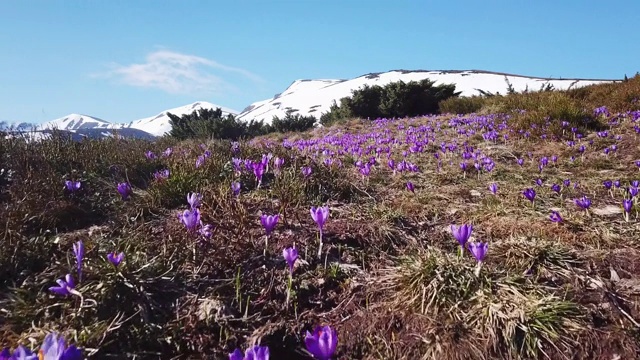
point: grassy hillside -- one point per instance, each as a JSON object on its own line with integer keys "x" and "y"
{"x": 560, "y": 275}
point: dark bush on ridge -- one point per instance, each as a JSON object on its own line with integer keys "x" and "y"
{"x": 292, "y": 123}
{"x": 394, "y": 100}
{"x": 208, "y": 123}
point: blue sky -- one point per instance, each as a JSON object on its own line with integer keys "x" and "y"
{"x": 121, "y": 60}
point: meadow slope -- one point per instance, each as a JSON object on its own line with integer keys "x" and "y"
{"x": 560, "y": 278}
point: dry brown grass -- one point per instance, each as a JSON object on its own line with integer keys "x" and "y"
{"x": 390, "y": 279}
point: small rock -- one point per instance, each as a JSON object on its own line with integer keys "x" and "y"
{"x": 475, "y": 193}
{"x": 608, "y": 210}
{"x": 212, "y": 309}
{"x": 614, "y": 275}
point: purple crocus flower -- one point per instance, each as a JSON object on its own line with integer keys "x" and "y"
{"x": 320, "y": 215}
{"x": 55, "y": 348}
{"x": 237, "y": 165}
{"x": 194, "y": 199}
{"x": 150, "y": 155}
{"x": 290, "y": 255}
{"x": 479, "y": 250}
{"x": 235, "y": 147}
{"x": 253, "y": 353}
{"x": 258, "y": 171}
{"x": 322, "y": 343}
{"x": 410, "y": 186}
{"x": 566, "y": 182}
{"x": 306, "y": 171}
{"x": 277, "y": 163}
{"x": 161, "y": 174}
{"x": 20, "y": 353}
{"x": 115, "y": 258}
{"x": 199, "y": 161}
{"x": 493, "y": 188}
{"x": 462, "y": 233}
{"x": 520, "y": 161}
{"x": 125, "y": 190}
{"x": 206, "y": 230}
{"x": 167, "y": 152}
{"x": 556, "y": 188}
{"x": 627, "y": 204}
{"x": 235, "y": 188}
{"x": 584, "y": 203}
{"x": 530, "y": 194}
{"x": 65, "y": 286}
{"x": 555, "y": 216}
{"x": 539, "y": 182}
{"x": 607, "y": 184}
{"x": 365, "y": 170}
{"x": 78, "y": 251}
{"x": 616, "y": 183}
{"x": 392, "y": 165}
{"x": 269, "y": 222}
{"x": 190, "y": 219}
{"x": 72, "y": 186}
{"x": 633, "y": 191}
{"x": 601, "y": 111}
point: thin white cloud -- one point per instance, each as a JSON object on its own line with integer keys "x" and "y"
{"x": 177, "y": 73}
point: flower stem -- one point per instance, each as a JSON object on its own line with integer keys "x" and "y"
{"x": 477, "y": 270}
{"x": 320, "y": 246}
{"x": 286, "y": 304}
{"x": 266, "y": 242}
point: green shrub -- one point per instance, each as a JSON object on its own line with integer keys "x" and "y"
{"x": 336, "y": 114}
{"x": 292, "y": 123}
{"x": 208, "y": 123}
{"x": 397, "y": 99}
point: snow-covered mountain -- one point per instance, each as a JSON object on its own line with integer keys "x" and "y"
{"x": 149, "y": 127}
{"x": 79, "y": 134}
{"x": 159, "y": 125}
{"x": 76, "y": 122}
{"x": 314, "y": 97}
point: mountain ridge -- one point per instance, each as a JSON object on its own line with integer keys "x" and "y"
{"x": 312, "y": 97}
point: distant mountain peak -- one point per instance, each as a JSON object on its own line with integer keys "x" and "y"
{"x": 159, "y": 124}
{"x": 314, "y": 97}
{"x": 156, "y": 125}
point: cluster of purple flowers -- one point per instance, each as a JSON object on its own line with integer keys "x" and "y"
{"x": 321, "y": 344}
{"x": 368, "y": 151}
{"x": 462, "y": 233}
{"x": 191, "y": 218}
{"x": 52, "y": 348}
